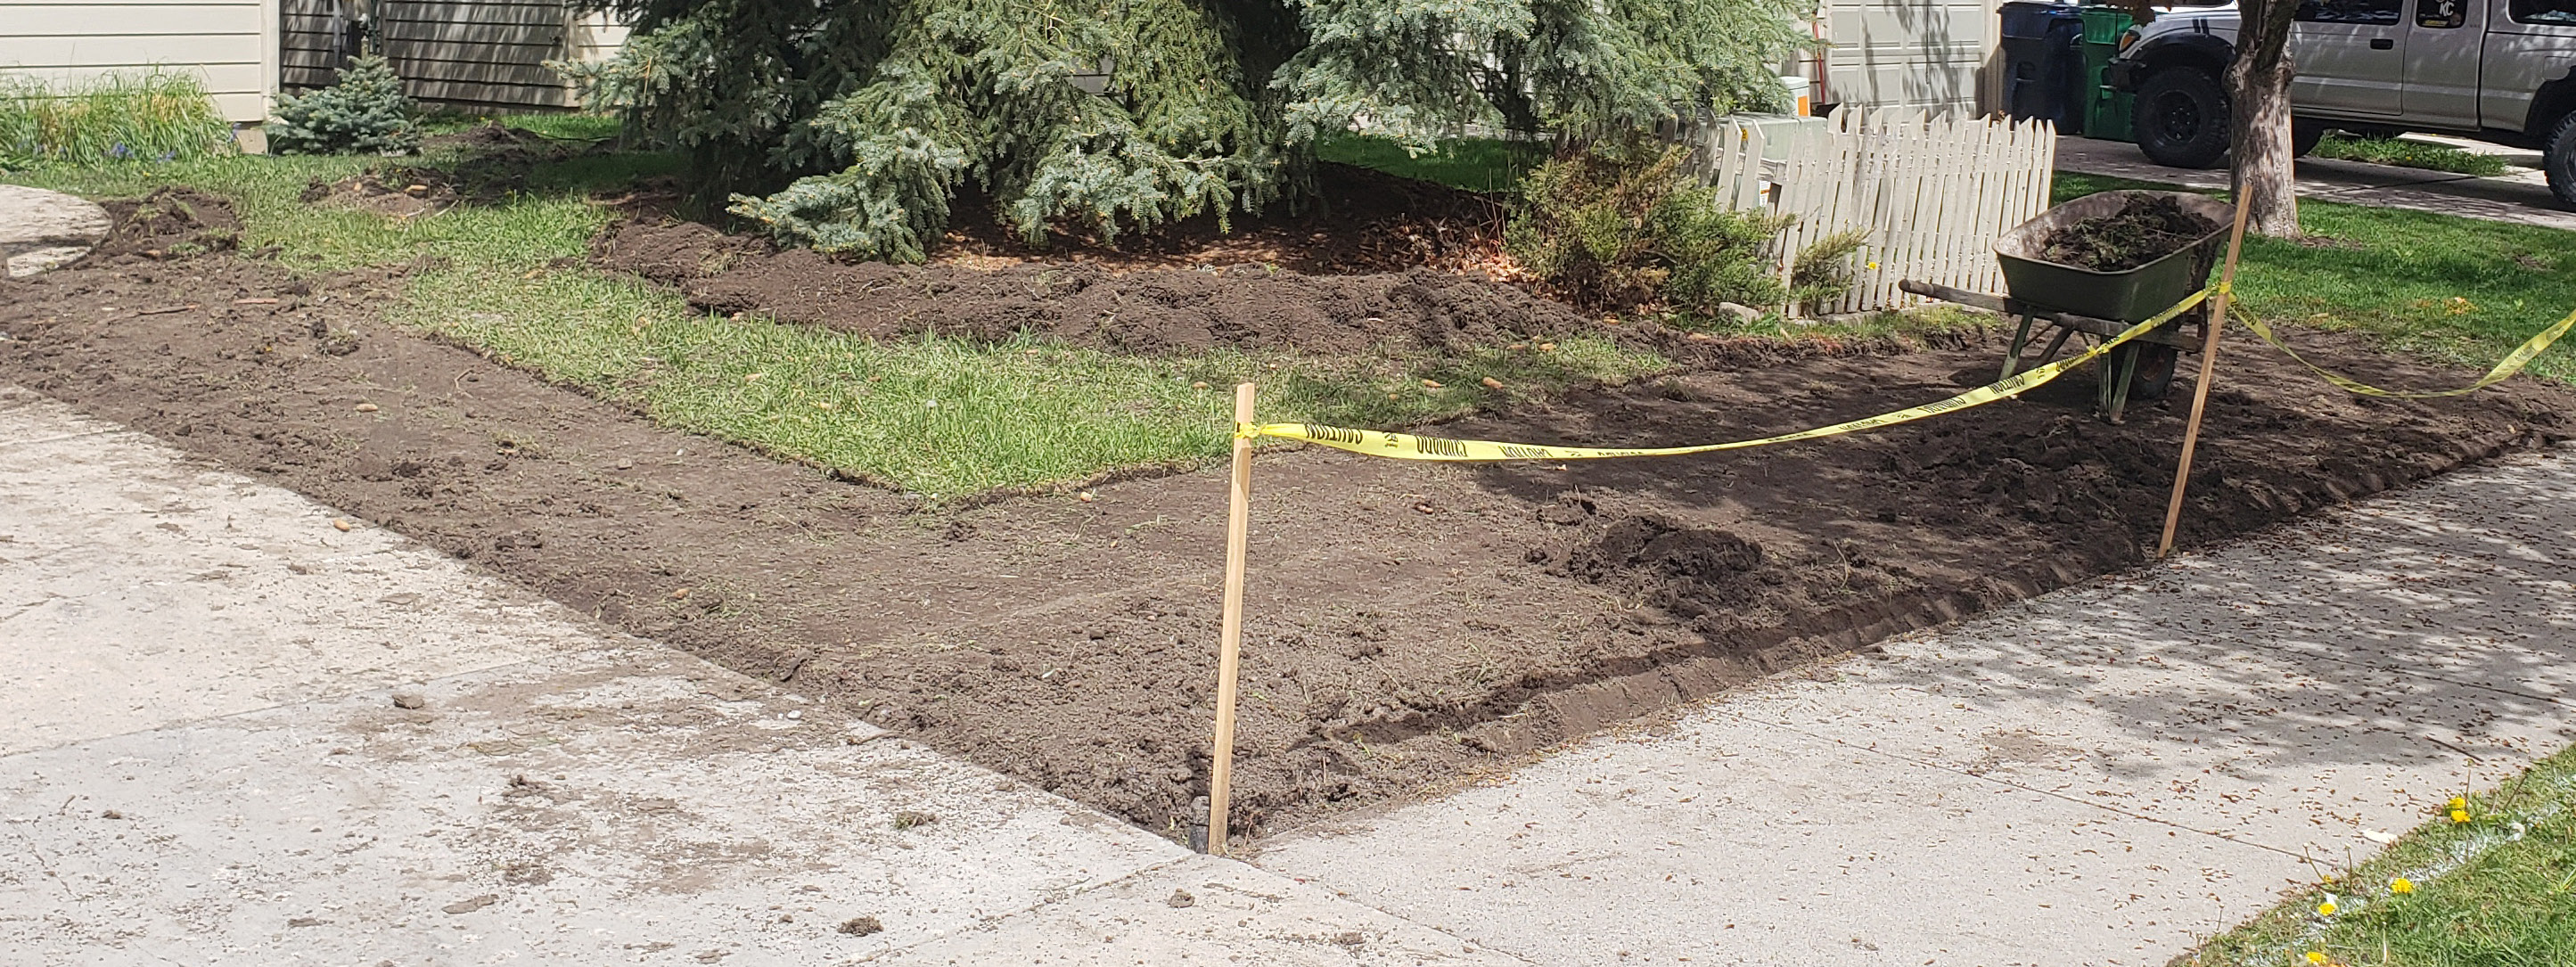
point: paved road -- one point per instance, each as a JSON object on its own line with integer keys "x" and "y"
{"x": 2521, "y": 195}
{"x": 2097, "y": 776}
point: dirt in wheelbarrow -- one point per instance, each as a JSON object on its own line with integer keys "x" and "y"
{"x": 1408, "y": 624}
{"x": 2144, "y": 230}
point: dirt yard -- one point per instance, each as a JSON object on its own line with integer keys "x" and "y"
{"x": 1408, "y": 623}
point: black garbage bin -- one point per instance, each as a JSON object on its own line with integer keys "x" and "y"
{"x": 2043, "y": 62}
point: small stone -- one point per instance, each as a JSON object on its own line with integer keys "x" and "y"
{"x": 410, "y": 700}
{"x": 111, "y": 814}
{"x": 1741, "y": 312}
{"x": 1202, "y": 384}
{"x": 341, "y": 524}
{"x": 1181, "y": 898}
{"x": 469, "y": 906}
{"x": 366, "y": 407}
{"x": 1086, "y": 496}
{"x": 861, "y": 926}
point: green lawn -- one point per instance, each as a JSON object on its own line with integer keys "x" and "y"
{"x": 2498, "y": 890}
{"x": 2409, "y": 154}
{"x": 2456, "y": 289}
{"x": 1475, "y": 164}
{"x": 937, "y": 417}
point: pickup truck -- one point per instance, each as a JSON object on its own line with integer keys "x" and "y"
{"x": 2502, "y": 71}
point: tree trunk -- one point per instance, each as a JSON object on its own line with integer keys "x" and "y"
{"x": 2258, "y": 85}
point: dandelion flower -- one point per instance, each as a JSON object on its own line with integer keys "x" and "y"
{"x": 2459, "y": 815}
{"x": 2459, "y": 802}
{"x": 2316, "y": 956}
{"x": 2401, "y": 885}
{"x": 2326, "y": 909}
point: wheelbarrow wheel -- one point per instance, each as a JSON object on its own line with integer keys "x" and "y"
{"x": 2155, "y": 373}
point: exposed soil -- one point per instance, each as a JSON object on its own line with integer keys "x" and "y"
{"x": 168, "y": 223}
{"x": 1147, "y": 310}
{"x": 2144, "y": 230}
{"x": 1358, "y": 221}
{"x": 1407, "y": 622}
{"x": 394, "y": 190}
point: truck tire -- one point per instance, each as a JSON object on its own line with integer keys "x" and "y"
{"x": 2181, "y": 118}
{"x": 2559, "y": 160}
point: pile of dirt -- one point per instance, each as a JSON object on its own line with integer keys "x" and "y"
{"x": 1086, "y": 303}
{"x": 170, "y": 222}
{"x": 2144, "y": 230}
{"x": 1358, "y": 220}
{"x": 395, "y": 191}
{"x": 1409, "y": 624}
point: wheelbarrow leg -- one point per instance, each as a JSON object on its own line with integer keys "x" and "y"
{"x": 2115, "y": 391}
{"x": 2020, "y": 339}
{"x": 2054, "y": 344}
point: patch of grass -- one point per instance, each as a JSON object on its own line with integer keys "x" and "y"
{"x": 2409, "y": 154}
{"x": 2496, "y": 891}
{"x": 2460, "y": 290}
{"x": 938, "y": 417}
{"x": 549, "y": 218}
{"x": 944, "y": 417}
{"x": 115, "y": 117}
{"x": 1475, "y": 164}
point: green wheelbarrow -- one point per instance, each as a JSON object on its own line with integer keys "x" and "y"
{"x": 2074, "y": 300}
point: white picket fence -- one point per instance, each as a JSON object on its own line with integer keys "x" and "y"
{"x": 1933, "y": 192}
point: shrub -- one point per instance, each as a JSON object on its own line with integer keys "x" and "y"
{"x": 1619, "y": 227}
{"x": 365, "y": 113}
{"x": 153, "y": 116}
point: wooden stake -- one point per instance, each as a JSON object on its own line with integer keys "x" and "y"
{"x": 2208, "y": 364}
{"x": 1238, "y": 527}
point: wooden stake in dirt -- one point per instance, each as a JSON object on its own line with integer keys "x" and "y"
{"x": 2208, "y": 364}
{"x": 1238, "y": 527}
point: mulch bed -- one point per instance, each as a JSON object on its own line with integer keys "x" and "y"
{"x": 1407, "y": 624}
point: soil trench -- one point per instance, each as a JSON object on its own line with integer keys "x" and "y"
{"x": 1407, "y": 622}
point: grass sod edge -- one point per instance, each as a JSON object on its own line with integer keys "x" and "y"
{"x": 2499, "y": 889}
{"x": 949, "y": 418}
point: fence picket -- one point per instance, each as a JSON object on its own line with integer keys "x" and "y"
{"x": 1931, "y": 193}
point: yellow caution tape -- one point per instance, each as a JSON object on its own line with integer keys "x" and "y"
{"x": 1407, "y": 446}
{"x": 2513, "y": 362}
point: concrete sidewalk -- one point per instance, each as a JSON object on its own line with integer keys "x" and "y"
{"x": 239, "y": 734}
{"x": 2520, "y": 196}
{"x": 2097, "y": 776}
